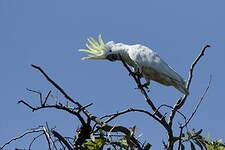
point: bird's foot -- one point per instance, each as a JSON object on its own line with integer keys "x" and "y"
{"x": 136, "y": 74}
{"x": 146, "y": 86}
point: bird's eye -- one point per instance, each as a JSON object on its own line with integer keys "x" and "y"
{"x": 110, "y": 50}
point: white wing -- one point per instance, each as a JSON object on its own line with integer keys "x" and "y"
{"x": 154, "y": 68}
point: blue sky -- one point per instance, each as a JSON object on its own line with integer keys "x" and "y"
{"x": 48, "y": 33}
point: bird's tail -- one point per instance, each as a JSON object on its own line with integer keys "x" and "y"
{"x": 182, "y": 88}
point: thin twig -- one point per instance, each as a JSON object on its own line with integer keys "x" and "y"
{"x": 168, "y": 106}
{"x": 200, "y": 101}
{"x": 56, "y": 86}
{"x": 180, "y": 137}
{"x": 31, "y": 143}
{"x": 64, "y": 93}
{"x": 39, "y": 93}
{"x": 47, "y": 136}
{"x": 113, "y": 116}
{"x": 21, "y": 136}
{"x": 46, "y": 98}
{"x": 50, "y": 137}
{"x": 181, "y": 101}
{"x": 60, "y": 107}
{"x": 85, "y": 106}
{"x": 193, "y": 113}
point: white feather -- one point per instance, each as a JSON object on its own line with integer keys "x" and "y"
{"x": 154, "y": 68}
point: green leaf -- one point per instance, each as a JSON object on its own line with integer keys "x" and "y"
{"x": 123, "y": 142}
{"x": 215, "y": 145}
{"x": 189, "y": 134}
{"x": 192, "y": 146}
{"x": 182, "y": 147}
{"x": 98, "y": 144}
{"x": 198, "y": 133}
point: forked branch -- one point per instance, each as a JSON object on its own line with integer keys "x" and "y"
{"x": 181, "y": 101}
{"x": 85, "y": 134}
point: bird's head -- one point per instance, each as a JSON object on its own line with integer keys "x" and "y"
{"x": 98, "y": 50}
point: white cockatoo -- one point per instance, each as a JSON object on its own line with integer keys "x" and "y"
{"x": 141, "y": 58}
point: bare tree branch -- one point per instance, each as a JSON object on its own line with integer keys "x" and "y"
{"x": 48, "y": 138}
{"x": 180, "y": 137}
{"x": 31, "y": 143}
{"x": 56, "y": 86}
{"x": 62, "y": 139}
{"x": 181, "y": 101}
{"x": 164, "y": 105}
{"x": 46, "y": 98}
{"x": 39, "y": 93}
{"x": 184, "y": 98}
{"x": 60, "y": 107}
{"x": 193, "y": 113}
{"x": 97, "y": 120}
{"x": 113, "y": 116}
{"x": 200, "y": 101}
{"x": 22, "y": 135}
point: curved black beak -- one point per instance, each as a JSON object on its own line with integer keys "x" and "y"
{"x": 112, "y": 57}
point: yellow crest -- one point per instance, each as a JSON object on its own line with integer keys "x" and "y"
{"x": 94, "y": 47}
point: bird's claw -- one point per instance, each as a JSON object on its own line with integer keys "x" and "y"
{"x": 145, "y": 85}
{"x": 137, "y": 74}
{"x": 131, "y": 74}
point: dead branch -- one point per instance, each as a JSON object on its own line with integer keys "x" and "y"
{"x": 31, "y": 143}
{"x": 48, "y": 138}
{"x": 56, "y": 86}
{"x": 30, "y": 131}
{"x": 113, "y": 116}
{"x": 193, "y": 113}
{"x": 56, "y": 106}
{"x": 200, "y": 101}
{"x": 181, "y": 101}
{"x": 37, "y": 92}
{"x": 46, "y": 98}
{"x": 168, "y": 106}
{"x": 62, "y": 139}
{"x": 104, "y": 126}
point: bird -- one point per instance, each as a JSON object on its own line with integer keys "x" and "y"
{"x": 142, "y": 59}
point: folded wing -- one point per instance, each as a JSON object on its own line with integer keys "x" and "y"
{"x": 154, "y": 68}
